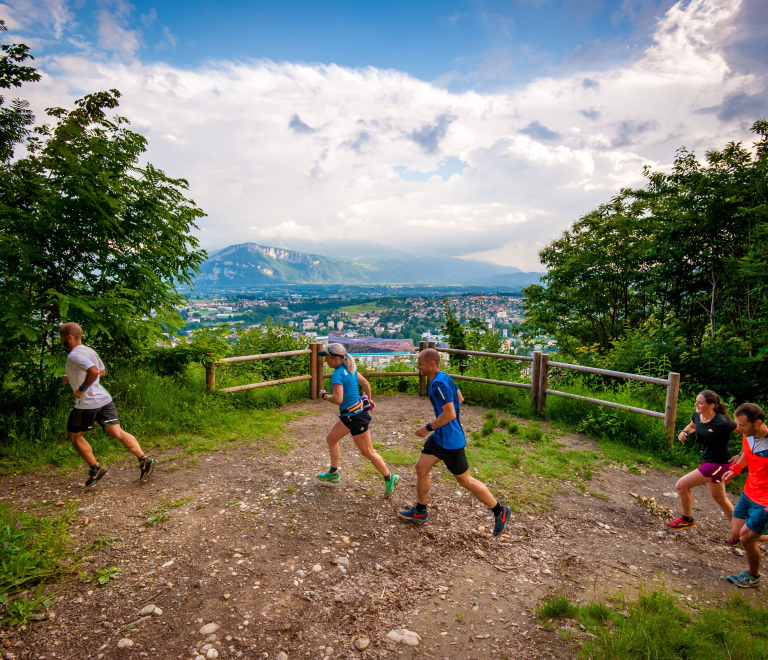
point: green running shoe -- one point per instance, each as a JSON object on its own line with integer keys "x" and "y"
{"x": 391, "y": 485}
{"x": 744, "y": 580}
{"x": 330, "y": 477}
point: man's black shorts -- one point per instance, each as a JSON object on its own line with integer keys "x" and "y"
{"x": 81, "y": 421}
{"x": 455, "y": 459}
{"x": 357, "y": 424}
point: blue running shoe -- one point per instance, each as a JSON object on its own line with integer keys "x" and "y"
{"x": 744, "y": 580}
{"x": 501, "y": 520}
{"x": 413, "y": 515}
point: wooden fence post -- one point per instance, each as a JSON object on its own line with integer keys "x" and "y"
{"x": 210, "y": 374}
{"x": 535, "y": 366}
{"x": 319, "y": 369}
{"x": 670, "y": 410}
{"x": 313, "y": 371}
{"x": 422, "y": 379}
{"x": 543, "y": 374}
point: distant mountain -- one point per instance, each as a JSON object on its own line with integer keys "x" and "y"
{"x": 249, "y": 264}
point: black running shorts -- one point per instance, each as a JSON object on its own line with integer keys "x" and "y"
{"x": 455, "y": 459}
{"x": 357, "y": 424}
{"x": 81, "y": 421}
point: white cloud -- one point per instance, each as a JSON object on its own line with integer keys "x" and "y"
{"x": 53, "y": 15}
{"x": 111, "y": 19}
{"x": 284, "y": 151}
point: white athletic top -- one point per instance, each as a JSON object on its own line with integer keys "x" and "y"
{"x": 80, "y": 359}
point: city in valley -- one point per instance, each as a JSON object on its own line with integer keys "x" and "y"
{"x": 380, "y": 313}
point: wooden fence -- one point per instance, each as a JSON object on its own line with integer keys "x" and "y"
{"x": 540, "y": 366}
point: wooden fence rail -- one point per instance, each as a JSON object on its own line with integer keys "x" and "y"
{"x": 539, "y": 371}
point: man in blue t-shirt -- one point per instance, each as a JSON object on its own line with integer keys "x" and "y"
{"x": 446, "y": 444}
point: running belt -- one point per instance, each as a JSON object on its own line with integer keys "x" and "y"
{"x": 354, "y": 409}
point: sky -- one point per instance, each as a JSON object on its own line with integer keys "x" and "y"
{"x": 460, "y": 128}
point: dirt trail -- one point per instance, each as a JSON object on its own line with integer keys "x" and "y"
{"x": 255, "y": 548}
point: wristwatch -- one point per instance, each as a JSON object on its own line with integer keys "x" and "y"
{"x": 83, "y": 389}
{"x": 429, "y": 427}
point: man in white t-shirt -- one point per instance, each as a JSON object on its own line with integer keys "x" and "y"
{"x": 93, "y": 404}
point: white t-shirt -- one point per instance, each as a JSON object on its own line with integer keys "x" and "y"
{"x": 80, "y": 359}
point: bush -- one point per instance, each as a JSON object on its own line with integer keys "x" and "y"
{"x": 31, "y": 550}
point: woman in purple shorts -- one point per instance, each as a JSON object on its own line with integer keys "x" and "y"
{"x": 713, "y": 430}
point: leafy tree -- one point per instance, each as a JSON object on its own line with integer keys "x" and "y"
{"x": 456, "y": 336}
{"x": 673, "y": 272}
{"x": 87, "y": 234}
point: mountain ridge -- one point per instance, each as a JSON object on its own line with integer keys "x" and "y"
{"x": 252, "y": 264}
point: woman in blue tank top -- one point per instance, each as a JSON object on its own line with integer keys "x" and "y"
{"x": 354, "y": 417}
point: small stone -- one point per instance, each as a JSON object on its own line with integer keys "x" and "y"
{"x": 632, "y": 567}
{"x": 200, "y": 657}
{"x": 211, "y": 653}
{"x": 379, "y": 567}
{"x": 546, "y": 571}
{"x": 157, "y": 612}
{"x": 405, "y": 636}
{"x": 226, "y": 596}
{"x": 342, "y": 561}
{"x": 338, "y": 598}
{"x": 209, "y": 628}
{"x": 738, "y": 551}
{"x": 582, "y": 627}
{"x": 282, "y": 656}
{"x": 362, "y": 643}
{"x": 317, "y": 568}
{"x": 328, "y": 651}
{"x": 125, "y": 643}
{"x": 479, "y": 553}
{"x": 147, "y": 610}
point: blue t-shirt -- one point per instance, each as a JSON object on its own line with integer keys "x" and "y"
{"x": 351, "y": 389}
{"x": 443, "y": 390}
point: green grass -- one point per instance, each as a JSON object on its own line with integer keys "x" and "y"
{"x": 157, "y": 514}
{"x": 658, "y": 628}
{"x": 32, "y": 550}
{"x": 397, "y": 456}
{"x": 365, "y": 307}
{"x": 528, "y": 473}
{"x": 556, "y": 607}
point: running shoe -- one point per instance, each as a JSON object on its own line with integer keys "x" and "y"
{"x": 744, "y": 580}
{"x": 501, "y": 520}
{"x": 391, "y": 485}
{"x": 146, "y": 464}
{"x": 331, "y": 477}
{"x": 96, "y": 473}
{"x": 681, "y": 523}
{"x": 413, "y": 515}
{"x": 733, "y": 541}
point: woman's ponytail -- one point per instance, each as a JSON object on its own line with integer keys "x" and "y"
{"x": 349, "y": 363}
{"x": 712, "y": 398}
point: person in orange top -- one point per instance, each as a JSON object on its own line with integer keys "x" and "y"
{"x": 750, "y": 517}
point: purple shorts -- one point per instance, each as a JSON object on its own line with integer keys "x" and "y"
{"x": 715, "y": 471}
